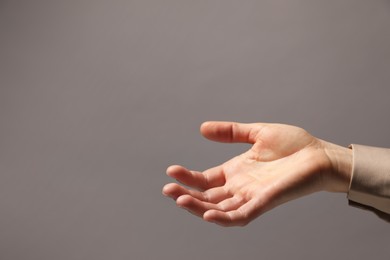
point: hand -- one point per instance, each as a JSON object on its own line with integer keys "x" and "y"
{"x": 284, "y": 163}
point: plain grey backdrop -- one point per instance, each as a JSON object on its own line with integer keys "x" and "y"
{"x": 97, "y": 98}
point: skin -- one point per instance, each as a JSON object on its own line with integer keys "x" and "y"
{"x": 284, "y": 163}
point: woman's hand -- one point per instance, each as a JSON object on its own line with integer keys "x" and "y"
{"x": 284, "y": 163}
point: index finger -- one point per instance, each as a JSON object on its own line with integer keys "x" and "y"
{"x": 208, "y": 179}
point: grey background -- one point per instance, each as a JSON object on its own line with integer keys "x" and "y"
{"x": 97, "y": 98}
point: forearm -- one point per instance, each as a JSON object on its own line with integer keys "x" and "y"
{"x": 370, "y": 182}
{"x": 362, "y": 172}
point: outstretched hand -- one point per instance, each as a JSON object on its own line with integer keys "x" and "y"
{"x": 284, "y": 163}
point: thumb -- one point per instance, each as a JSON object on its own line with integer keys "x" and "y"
{"x": 230, "y": 132}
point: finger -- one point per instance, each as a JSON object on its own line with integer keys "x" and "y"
{"x": 208, "y": 179}
{"x": 194, "y": 205}
{"x": 190, "y": 178}
{"x": 238, "y": 217}
{"x": 231, "y": 203}
{"x": 174, "y": 191}
{"x": 216, "y": 195}
{"x": 230, "y": 132}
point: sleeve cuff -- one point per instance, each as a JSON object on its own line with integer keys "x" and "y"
{"x": 370, "y": 181}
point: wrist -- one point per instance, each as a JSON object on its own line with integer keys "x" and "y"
{"x": 339, "y": 173}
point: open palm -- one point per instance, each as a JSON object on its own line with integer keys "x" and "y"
{"x": 284, "y": 163}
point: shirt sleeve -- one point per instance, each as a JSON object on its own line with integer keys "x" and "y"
{"x": 370, "y": 181}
